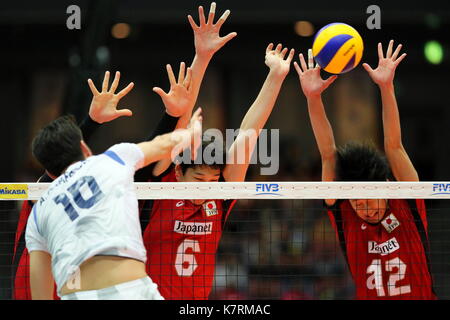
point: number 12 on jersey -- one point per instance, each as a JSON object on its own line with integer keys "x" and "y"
{"x": 75, "y": 191}
{"x": 375, "y": 280}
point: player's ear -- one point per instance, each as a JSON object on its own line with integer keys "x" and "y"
{"x": 85, "y": 149}
{"x": 178, "y": 173}
{"x": 53, "y": 177}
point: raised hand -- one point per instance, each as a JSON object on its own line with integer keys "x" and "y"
{"x": 206, "y": 34}
{"x": 275, "y": 59}
{"x": 180, "y": 98}
{"x": 310, "y": 80}
{"x": 385, "y": 72}
{"x": 104, "y": 104}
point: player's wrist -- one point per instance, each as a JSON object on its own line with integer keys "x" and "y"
{"x": 277, "y": 73}
{"x": 204, "y": 56}
{"x": 386, "y": 85}
{"x": 95, "y": 118}
{"x": 173, "y": 113}
{"x": 316, "y": 96}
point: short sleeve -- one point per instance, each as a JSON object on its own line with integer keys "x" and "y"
{"x": 128, "y": 154}
{"x": 34, "y": 240}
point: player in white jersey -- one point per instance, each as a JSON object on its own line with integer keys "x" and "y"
{"x": 84, "y": 232}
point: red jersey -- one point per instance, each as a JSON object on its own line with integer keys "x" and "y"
{"x": 387, "y": 260}
{"x": 181, "y": 241}
{"x": 21, "y": 258}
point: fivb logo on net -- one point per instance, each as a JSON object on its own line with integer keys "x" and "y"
{"x": 266, "y": 152}
{"x": 441, "y": 188}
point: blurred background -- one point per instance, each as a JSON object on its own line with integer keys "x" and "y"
{"x": 271, "y": 249}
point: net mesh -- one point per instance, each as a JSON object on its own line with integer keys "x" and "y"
{"x": 279, "y": 248}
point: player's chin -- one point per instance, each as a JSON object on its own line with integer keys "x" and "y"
{"x": 373, "y": 220}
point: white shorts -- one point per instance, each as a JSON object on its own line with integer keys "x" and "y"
{"x": 140, "y": 289}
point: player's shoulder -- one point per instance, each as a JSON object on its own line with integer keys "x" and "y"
{"x": 125, "y": 153}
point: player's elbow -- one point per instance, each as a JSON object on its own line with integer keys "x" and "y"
{"x": 328, "y": 154}
{"x": 391, "y": 144}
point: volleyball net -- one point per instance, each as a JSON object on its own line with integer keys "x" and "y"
{"x": 276, "y": 241}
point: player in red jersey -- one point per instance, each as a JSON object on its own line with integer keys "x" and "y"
{"x": 103, "y": 109}
{"x": 182, "y": 236}
{"x": 385, "y": 242}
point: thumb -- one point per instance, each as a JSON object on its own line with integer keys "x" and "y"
{"x": 367, "y": 67}
{"x": 159, "y": 91}
{"x": 228, "y": 37}
{"x": 123, "y": 113}
{"x": 330, "y": 80}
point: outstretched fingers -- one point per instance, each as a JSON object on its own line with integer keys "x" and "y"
{"x": 298, "y": 69}
{"x": 181, "y": 73}
{"x": 115, "y": 82}
{"x": 367, "y": 68}
{"x": 201, "y": 15}
{"x": 330, "y": 80}
{"x": 380, "y": 51}
{"x": 310, "y": 59}
{"x": 283, "y": 53}
{"x": 125, "y": 90}
{"x": 278, "y": 48}
{"x": 172, "y": 79}
{"x": 396, "y": 52}
{"x": 223, "y": 18}
{"x": 105, "y": 82}
{"x": 192, "y": 23}
{"x": 228, "y": 37}
{"x": 123, "y": 113}
{"x": 212, "y": 12}
{"x": 290, "y": 56}
{"x": 303, "y": 62}
{"x": 400, "y": 59}
{"x": 93, "y": 88}
{"x": 187, "y": 80}
{"x": 389, "y": 49}
{"x": 269, "y": 47}
{"x": 160, "y": 92}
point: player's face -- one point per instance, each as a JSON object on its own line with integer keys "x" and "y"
{"x": 370, "y": 210}
{"x": 200, "y": 174}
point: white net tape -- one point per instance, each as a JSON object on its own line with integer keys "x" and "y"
{"x": 260, "y": 190}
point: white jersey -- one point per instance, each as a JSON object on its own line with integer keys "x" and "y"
{"x": 89, "y": 210}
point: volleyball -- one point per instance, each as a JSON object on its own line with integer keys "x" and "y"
{"x": 338, "y": 48}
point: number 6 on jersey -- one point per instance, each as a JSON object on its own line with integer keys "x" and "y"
{"x": 185, "y": 263}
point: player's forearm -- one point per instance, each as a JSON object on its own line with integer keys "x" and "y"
{"x": 257, "y": 115}
{"x": 198, "y": 67}
{"x": 391, "y": 118}
{"x": 88, "y": 127}
{"x": 160, "y": 147}
{"x": 322, "y": 129}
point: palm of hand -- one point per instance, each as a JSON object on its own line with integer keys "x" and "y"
{"x": 178, "y": 100}
{"x": 276, "y": 63}
{"x": 104, "y": 106}
{"x": 385, "y": 71}
{"x": 312, "y": 83}
{"x": 208, "y": 40}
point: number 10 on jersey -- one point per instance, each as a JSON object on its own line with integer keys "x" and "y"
{"x": 75, "y": 191}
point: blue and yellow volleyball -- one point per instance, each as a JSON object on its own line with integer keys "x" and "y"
{"x": 338, "y": 48}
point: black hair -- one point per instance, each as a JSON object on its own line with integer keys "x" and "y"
{"x": 211, "y": 155}
{"x": 361, "y": 162}
{"x": 57, "y": 145}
